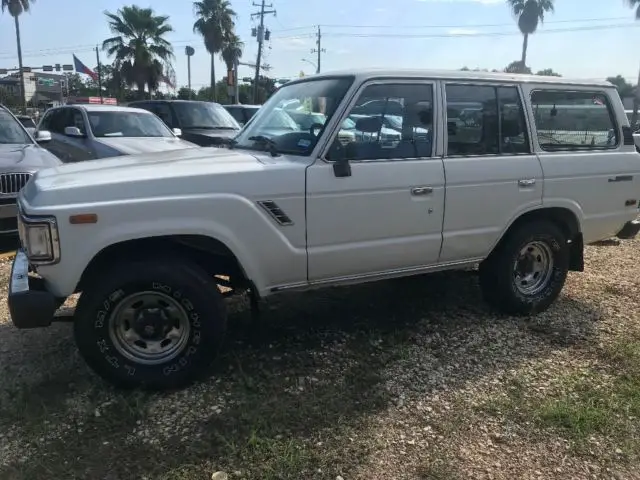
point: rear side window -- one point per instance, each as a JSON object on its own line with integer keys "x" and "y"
{"x": 485, "y": 120}
{"x": 567, "y": 120}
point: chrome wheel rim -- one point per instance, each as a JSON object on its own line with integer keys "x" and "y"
{"x": 533, "y": 268}
{"x": 149, "y": 328}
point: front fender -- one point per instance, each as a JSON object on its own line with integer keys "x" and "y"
{"x": 269, "y": 254}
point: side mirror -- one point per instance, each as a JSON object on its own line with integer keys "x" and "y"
{"x": 177, "y": 132}
{"x": 43, "y": 136}
{"x": 73, "y": 132}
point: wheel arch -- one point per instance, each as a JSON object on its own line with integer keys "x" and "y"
{"x": 215, "y": 257}
{"x": 565, "y": 219}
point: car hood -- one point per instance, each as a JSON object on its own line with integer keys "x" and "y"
{"x": 192, "y": 171}
{"x": 131, "y": 146}
{"x": 27, "y": 157}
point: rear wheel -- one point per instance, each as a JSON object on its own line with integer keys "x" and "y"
{"x": 153, "y": 324}
{"x": 526, "y": 273}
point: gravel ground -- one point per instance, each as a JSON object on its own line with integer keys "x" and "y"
{"x": 409, "y": 379}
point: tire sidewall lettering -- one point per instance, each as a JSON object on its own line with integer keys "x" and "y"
{"x": 115, "y": 360}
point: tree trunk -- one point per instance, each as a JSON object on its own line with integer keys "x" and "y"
{"x": 23, "y": 94}
{"x": 525, "y": 44}
{"x": 213, "y": 78}
{"x": 141, "y": 91}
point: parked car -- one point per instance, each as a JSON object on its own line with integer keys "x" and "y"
{"x": 203, "y": 123}
{"x": 28, "y": 123}
{"x": 20, "y": 157}
{"x": 242, "y": 113}
{"x": 87, "y": 132}
{"x": 148, "y": 244}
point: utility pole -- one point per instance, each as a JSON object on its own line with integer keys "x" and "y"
{"x": 260, "y": 34}
{"x": 318, "y": 50}
{"x": 99, "y": 75}
{"x": 189, "y": 51}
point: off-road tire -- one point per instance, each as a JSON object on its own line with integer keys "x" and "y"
{"x": 188, "y": 284}
{"x": 497, "y": 277}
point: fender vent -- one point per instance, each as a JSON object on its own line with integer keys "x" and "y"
{"x": 627, "y": 136}
{"x": 276, "y": 212}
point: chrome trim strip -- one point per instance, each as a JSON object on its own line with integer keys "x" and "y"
{"x": 370, "y": 277}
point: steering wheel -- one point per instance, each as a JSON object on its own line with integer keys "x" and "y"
{"x": 313, "y": 127}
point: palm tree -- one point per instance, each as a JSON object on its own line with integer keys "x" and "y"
{"x": 530, "y": 14}
{"x": 635, "y": 4}
{"x": 16, "y": 8}
{"x": 231, "y": 54}
{"x": 142, "y": 54}
{"x": 215, "y": 23}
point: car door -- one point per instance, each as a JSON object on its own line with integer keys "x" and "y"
{"x": 385, "y": 218}
{"x": 76, "y": 149}
{"x": 492, "y": 174}
{"x": 588, "y": 166}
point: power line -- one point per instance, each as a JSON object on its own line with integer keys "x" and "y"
{"x": 475, "y": 34}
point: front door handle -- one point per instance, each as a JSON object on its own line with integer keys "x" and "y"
{"x": 622, "y": 178}
{"x": 528, "y": 182}
{"x": 421, "y": 190}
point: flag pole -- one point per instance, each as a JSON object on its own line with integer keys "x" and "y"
{"x": 99, "y": 75}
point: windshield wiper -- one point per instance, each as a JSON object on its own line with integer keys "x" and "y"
{"x": 211, "y": 127}
{"x": 273, "y": 146}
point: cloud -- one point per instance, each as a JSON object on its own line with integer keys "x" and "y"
{"x": 293, "y": 43}
{"x": 462, "y": 31}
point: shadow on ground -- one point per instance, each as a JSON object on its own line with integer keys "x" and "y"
{"x": 294, "y": 397}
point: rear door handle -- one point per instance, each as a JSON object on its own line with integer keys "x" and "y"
{"x": 621, "y": 178}
{"x": 528, "y": 182}
{"x": 421, "y": 190}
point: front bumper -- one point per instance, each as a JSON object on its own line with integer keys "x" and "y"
{"x": 30, "y": 304}
{"x": 630, "y": 230}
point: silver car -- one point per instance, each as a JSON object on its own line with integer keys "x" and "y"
{"x": 20, "y": 158}
{"x": 87, "y": 132}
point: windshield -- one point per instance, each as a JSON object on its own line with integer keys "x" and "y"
{"x": 204, "y": 115}
{"x": 127, "y": 124}
{"x": 274, "y": 121}
{"x": 11, "y": 130}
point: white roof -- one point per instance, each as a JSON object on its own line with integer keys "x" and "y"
{"x": 365, "y": 74}
{"x": 92, "y": 107}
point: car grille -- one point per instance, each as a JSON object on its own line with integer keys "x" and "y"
{"x": 12, "y": 183}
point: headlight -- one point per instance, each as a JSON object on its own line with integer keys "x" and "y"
{"x": 39, "y": 238}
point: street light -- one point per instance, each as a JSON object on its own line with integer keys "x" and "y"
{"x": 309, "y": 62}
{"x": 189, "y": 51}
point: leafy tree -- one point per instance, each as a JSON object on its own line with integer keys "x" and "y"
{"x": 635, "y": 4}
{"x": 530, "y": 13}
{"x": 215, "y": 23}
{"x": 15, "y": 9}
{"x": 185, "y": 94}
{"x": 548, "y": 72}
{"x": 625, "y": 89}
{"x": 517, "y": 67}
{"x": 142, "y": 54}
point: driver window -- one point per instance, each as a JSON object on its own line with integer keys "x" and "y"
{"x": 388, "y": 121}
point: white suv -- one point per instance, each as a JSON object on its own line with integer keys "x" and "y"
{"x": 540, "y": 168}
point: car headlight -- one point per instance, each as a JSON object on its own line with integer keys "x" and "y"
{"x": 39, "y": 238}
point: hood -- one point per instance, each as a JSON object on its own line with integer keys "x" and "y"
{"x": 189, "y": 171}
{"x": 26, "y": 157}
{"x": 134, "y": 145}
{"x": 205, "y": 136}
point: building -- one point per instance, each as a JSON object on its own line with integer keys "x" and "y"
{"x": 42, "y": 89}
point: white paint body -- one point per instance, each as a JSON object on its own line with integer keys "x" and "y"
{"x": 358, "y": 228}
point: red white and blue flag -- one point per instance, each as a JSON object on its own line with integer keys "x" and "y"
{"x": 82, "y": 68}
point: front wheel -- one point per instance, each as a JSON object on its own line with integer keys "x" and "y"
{"x": 154, "y": 324}
{"x": 526, "y": 273}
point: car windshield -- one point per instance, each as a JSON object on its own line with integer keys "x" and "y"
{"x": 204, "y": 115}
{"x": 11, "y": 130}
{"x": 273, "y": 129}
{"x": 127, "y": 123}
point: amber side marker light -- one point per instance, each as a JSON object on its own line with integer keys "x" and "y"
{"x": 83, "y": 218}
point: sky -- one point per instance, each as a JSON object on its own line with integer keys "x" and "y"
{"x": 582, "y": 38}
